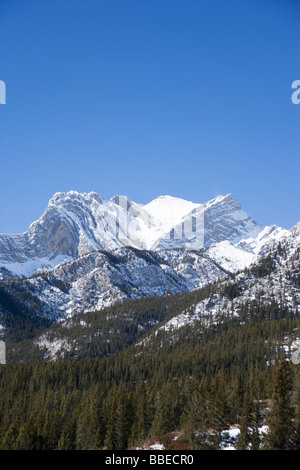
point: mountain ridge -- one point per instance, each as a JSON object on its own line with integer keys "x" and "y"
{"x": 77, "y": 223}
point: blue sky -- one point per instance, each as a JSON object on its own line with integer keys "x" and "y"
{"x": 143, "y": 98}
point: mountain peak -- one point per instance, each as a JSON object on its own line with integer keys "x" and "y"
{"x": 221, "y": 199}
{"x": 63, "y": 197}
{"x": 169, "y": 208}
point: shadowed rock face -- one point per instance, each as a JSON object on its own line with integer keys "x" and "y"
{"x": 98, "y": 279}
{"x": 52, "y": 235}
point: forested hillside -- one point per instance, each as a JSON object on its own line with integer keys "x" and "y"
{"x": 199, "y": 386}
{"x": 180, "y": 369}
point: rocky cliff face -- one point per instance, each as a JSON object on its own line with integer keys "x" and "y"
{"x": 75, "y": 224}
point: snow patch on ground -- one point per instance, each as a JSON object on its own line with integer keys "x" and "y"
{"x": 53, "y": 347}
{"x": 36, "y": 266}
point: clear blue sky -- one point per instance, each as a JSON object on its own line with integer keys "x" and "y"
{"x": 148, "y": 97}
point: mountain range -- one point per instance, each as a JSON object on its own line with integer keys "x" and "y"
{"x": 77, "y": 224}
{"x": 86, "y": 254}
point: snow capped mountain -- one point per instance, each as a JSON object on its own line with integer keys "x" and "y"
{"x": 75, "y": 224}
{"x": 215, "y": 221}
{"x": 86, "y": 253}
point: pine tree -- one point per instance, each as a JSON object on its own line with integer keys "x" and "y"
{"x": 110, "y": 441}
{"x": 257, "y": 420}
{"x": 281, "y": 418}
{"x": 194, "y": 419}
{"x": 119, "y": 426}
{"x": 220, "y": 412}
{"x": 236, "y": 400}
{"x": 168, "y": 409}
{"x": 246, "y": 422}
{"x": 124, "y": 419}
{"x": 141, "y": 422}
{"x": 97, "y": 427}
{"x": 190, "y": 418}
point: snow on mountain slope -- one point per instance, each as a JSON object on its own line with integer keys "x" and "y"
{"x": 99, "y": 279}
{"x": 236, "y": 257}
{"x": 169, "y": 210}
{"x": 215, "y": 221}
{"x": 231, "y": 257}
{"x": 267, "y": 238}
{"x": 273, "y": 282}
{"x": 75, "y": 224}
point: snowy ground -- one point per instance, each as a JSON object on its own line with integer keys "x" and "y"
{"x": 229, "y": 438}
{"x": 231, "y": 435}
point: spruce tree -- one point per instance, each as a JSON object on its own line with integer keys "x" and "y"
{"x": 281, "y": 418}
{"x": 110, "y": 441}
{"x": 141, "y": 423}
{"x": 220, "y": 413}
{"x": 246, "y": 423}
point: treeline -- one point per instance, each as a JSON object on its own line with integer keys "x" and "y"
{"x": 200, "y": 383}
